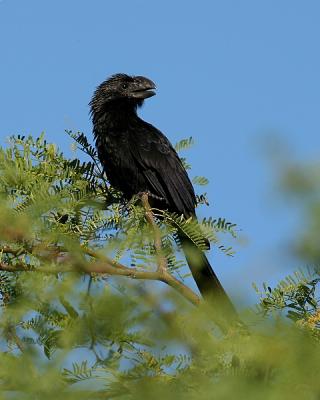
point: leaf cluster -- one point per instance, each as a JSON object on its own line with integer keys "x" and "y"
{"x": 69, "y": 330}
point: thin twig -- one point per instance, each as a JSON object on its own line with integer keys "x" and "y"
{"x": 11, "y": 332}
{"x": 162, "y": 261}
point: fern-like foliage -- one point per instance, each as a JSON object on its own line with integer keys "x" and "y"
{"x": 184, "y": 144}
{"x": 67, "y": 332}
{"x": 200, "y": 180}
{"x": 295, "y": 294}
{"x": 78, "y": 373}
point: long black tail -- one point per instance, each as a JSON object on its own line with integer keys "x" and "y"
{"x": 206, "y": 279}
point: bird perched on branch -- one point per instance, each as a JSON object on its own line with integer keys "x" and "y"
{"x": 138, "y": 158}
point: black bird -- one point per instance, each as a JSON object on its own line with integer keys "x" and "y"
{"x": 138, "y": 158}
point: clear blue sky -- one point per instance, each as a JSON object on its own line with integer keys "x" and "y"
{"x": 228, "y": 73}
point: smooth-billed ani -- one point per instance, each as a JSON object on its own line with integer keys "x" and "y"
{"x": 138, "y": 158}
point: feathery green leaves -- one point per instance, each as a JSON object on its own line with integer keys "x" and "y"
{"x": 71, "y": 332}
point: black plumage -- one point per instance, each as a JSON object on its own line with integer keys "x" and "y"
{"x": 137, "y": 158}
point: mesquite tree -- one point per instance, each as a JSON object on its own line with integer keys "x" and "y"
{"x": 95, "y": 304}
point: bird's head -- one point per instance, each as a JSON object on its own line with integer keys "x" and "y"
{"x": 122, "y": 88}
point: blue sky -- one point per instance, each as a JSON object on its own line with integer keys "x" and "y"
{"x": 229, "y": 73}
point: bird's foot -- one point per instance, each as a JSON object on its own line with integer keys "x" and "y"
{"x": 151, "y": 195}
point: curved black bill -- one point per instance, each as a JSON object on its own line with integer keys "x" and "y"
{"x": 144, "y": 88}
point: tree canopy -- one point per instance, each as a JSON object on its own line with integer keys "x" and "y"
{"x": 94, "y": 299}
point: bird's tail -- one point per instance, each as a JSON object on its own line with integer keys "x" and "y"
{"x": 206, "y": 279}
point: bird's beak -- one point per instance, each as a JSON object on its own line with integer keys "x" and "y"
{"x": 144, "y": 88}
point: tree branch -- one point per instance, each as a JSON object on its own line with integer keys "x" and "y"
{"x": 104, "y": 265}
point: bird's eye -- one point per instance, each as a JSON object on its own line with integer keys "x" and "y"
{"x": 124, "y": 86}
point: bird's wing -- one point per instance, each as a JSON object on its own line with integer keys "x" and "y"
{"x": 162, "y": 168}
